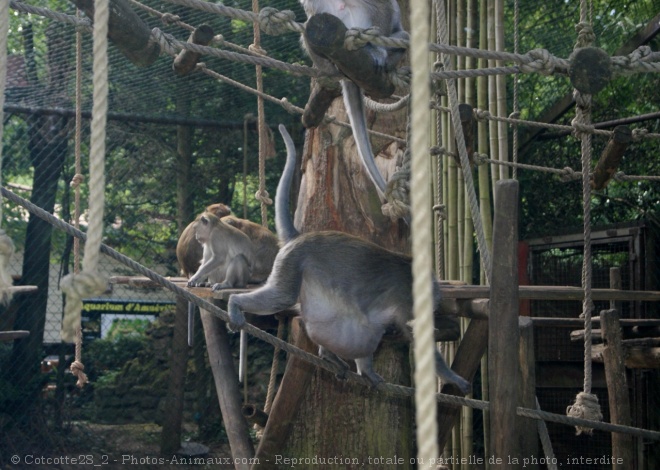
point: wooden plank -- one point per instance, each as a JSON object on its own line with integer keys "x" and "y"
{"x": 550, "y": 293}
{"x": 503, "y": 335}
{"x": 617, "y": 389}
{"x": 639, "y": 323}
{"x": 635, "y": 358}
{"x": 529, "y": 441}
{"x": 12, "y": 335}
{"x": 226, "y": 384}
{"x": 466, "y": 362}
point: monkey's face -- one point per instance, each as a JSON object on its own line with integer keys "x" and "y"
{"x": 203, "y": 229}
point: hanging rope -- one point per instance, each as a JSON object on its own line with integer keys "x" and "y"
{"x": 6, "y": 243}
{"x": 422, "y": 263}
{"x": 78, "y": 178}
{"x": 89, "y": 283}
{"x": 586, "y": 403}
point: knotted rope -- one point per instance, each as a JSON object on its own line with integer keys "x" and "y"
{"x": 89, "y": 282}
{"x": 586, "y": 403}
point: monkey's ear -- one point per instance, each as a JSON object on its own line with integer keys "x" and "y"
{"x": 204, "y": 220}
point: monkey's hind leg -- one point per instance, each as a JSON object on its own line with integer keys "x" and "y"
{"x": 365, "y": 367}
{"x": 266, "y": 300}
{"x": 447, "y": 375}
{"x": 238, "y": 274}
{"x": 336, "y": 360}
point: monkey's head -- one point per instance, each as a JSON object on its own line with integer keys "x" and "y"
{"x": 219, "y": 210}
{"x": 205, "y": 225}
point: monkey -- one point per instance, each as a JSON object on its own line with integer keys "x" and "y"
{"x": 265, "y": 245}
{"x": 188, "y": 250}
{"x": 228, "y": 254}
{"x": 384, "y": 14}
{"x": 349, "y": 289}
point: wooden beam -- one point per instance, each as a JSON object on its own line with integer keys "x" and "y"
{"x": 12, "y": 335}
{"x": 226, "y": 384}
{"x": 529, "y": 441}
{"x": 127, "y": 32}
{"x": 504, "y": 335}
{"x": 324, "y": 35}
{"x": 550, "y": 293}
{"x": 635, "y": 358}
{"x": 617, "y": 389}
{"x": 186, "y": 61}
{"x": 609, "y": 161}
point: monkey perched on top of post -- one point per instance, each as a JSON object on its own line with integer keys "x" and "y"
{"x": 350, "y": 289}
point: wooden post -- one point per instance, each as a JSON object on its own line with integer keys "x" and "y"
{"x": 226, "y": 384}
{"x": 127, "y": 32}
{"x": 466, "y": 362}
{"x": 504, "y": 336}
{"x": 529, "y": 441}
{"x": 468, "y": 125}
{"x": 617, "y": 387}
{"x": 609, "y": 160}
{"x": 293, "y": 387}
{"x": 186, "y": 61}
{"x": 324, "y": 34}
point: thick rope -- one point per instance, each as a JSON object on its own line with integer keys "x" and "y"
{"x": 422, "y": 262}
{"x": 6, "y": 243}
{"x": 89, "y": 282}
{"x": 386, "y": 388}
{"x": 78, "y": 178}
{"x": 586, "y": 403}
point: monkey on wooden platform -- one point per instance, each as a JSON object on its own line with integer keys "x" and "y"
{"x": 188, "y": 250}
{"x": 349, "y": 289}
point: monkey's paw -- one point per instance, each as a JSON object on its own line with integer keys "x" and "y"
{"x": 236, "y": 322}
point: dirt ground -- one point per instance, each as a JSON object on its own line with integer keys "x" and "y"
{"x": 115, "y": 447}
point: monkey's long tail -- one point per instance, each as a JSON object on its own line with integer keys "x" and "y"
{"x": 283, "y": 222}
{"x": 354, "y": 102}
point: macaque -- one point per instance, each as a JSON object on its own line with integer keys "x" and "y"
{"x": 228, "y": 254}
{"x": 188, "y": 250}
{"x": 384, "y": 14}
{"x": 350, "y": 290}
{"x": 265, "y": 245}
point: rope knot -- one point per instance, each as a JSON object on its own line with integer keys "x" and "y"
{"x": 481, "y": 115}
{"x": 480, "y": 158}
{"x": 356, "y": 38}
{"x": 580, "y": 129}
{"x": 619, "y": 176}
{"x": 441, "y": 211}
{"x": 638, "y": 134}
{"x": 77, "y": 180}
{"x": 586, "y": 36}
{"x": 539, "y": 60}
{"x": 568, "y": 174}
{"x": 437, "y": 150}
{"x": 274, "y": 22}
{"x": 257, "y": 50}
{"x": 170, "y": 18}
{"x": 77, "y": 369}
{"x": 262, "y": 196}
{"x": 397, "y": 195}
{"x": 286, "y": 104}
{"x": 586, "y": 407}
{"x": 400, "y": 77}
{"x": 164, "y": 42}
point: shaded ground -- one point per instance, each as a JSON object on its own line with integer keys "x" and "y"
{"x": 111, "y": 447}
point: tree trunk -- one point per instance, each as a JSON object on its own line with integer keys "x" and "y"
{"x": 335, "y": 418}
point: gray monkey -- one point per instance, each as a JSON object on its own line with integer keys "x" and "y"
{"x": 228, "y": 254}
{"x": 384, "y": 14}
{"x": 350, "y": 289}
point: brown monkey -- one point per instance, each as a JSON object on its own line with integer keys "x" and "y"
{"x": 188, "y": 250}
